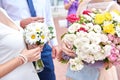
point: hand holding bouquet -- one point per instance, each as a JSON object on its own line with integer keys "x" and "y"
{"x": 95, "y": 36}
{"x": 37, "y": 34}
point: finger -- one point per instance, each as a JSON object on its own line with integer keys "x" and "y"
{"x": 38, "y": 18}
{"x": 53, "y": 53}
{"x": 36, "y": 58}
{"x": 37, "y": 49}
{"x": 70, "y": 54}
{"x": 40, "y": 21}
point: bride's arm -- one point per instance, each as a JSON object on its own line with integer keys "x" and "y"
{"x": 114, "y": 6}
{"x": 82, "y": 6}
{"x": 10, "y": 66}
{"x": 25, "y": 56}
{"x": 68, "y": 4}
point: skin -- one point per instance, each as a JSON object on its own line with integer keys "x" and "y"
{"x": 55, "y": 49}
{"x": 31, "y": 55}
{"x": 26, "y": 21}
{"x": 67, "y": 6}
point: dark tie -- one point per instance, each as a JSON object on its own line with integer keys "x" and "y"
{"x": 31, "y": 8}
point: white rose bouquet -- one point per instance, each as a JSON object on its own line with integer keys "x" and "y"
{"x": 94, "y": 37}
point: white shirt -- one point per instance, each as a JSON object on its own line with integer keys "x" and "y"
{"x": 11, "y": 46}
{"x": 18, "y": 9}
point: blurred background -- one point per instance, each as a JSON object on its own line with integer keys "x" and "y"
{"x": 59, "y": 16}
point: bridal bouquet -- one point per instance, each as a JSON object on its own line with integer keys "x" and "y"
{"x": 95, "y": 36}
{"x": 38, "y": 34}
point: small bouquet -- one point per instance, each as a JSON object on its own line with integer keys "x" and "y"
{"x": 38, "y": 34}
{"x": 94, "y": 37}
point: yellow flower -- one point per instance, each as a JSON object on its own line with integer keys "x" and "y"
{"x": 108, "y": 16}
{"x": 116, "y": 11}
{"x": 99, "y": 18}
{"x": 109, "y": 29}
{"x": 42, "y": 36}
{"x": 33, "y": 36}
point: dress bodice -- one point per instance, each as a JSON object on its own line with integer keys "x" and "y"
{"x": 11, "y": 45}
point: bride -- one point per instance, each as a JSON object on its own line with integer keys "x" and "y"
{"x": 96, "y": 71}
{"x": 15, "y": 59}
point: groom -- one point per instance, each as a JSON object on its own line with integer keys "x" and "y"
{"x": 42, "y": 9}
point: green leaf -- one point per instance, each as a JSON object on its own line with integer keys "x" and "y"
{"x": 63, "y": 35}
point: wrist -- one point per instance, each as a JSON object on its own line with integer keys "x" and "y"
{"x": 22, "y": 23}
{"x": 20, "y": 60}
{"x": 23, "y": 58}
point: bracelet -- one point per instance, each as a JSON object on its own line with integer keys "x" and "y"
{"x": 24, "y": 58}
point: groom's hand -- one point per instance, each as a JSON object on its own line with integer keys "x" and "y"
{"x": 27, "y": 21}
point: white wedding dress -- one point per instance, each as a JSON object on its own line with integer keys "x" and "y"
{"x": 11, "y": 44}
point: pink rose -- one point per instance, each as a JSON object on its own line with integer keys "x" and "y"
{"x": 72, "y": 18}
{"x": 82, "y": 29}
{"x": 86, "y": 12}
{"x": 111, "y": 37}
{"x": 112, "y": 57}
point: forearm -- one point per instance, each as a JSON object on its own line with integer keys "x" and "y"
{"x": 67, "y": 5}
{"x": 82, "y": 6}
{"x": 9, "y": 66}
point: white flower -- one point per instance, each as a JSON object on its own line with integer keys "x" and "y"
{"x": 31, "y": 38}
{"x": 99, "y": 56}
{"x": 81, "y": 34}
{"x": 118, "y": 30}
{"x": 69, "y": 38}
{"x": 88, "y": 17}
{"x": 81, "y": 41}
{"x": 92, "y": 15}
{"x": 37, "y": 33}
{"x": 104, "y": 38}
{"x": 74, "y": 27}
{"x": 76, "y": 64}
{"x": 94, "y": 37}
{"x": 97, "y": 29}
{"x": 115, "y": 16}
{"x": 90, "y": 26}
{"x": 89, "y": 59}
{"x": 95, "y": 49}
{"x": 107, "y": 50}
{"x": 86, "y": 48}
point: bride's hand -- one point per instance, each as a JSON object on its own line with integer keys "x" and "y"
{"x": 67, "y": 49}
{"x": 34, "y": 46}
{"x": 32, "y": 54}
{"x": 107, "y": 65}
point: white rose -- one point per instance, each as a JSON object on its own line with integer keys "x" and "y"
{"x": 99, "y": 56}
{"x": 89, "y": 59}
{"x": 118, "y": 30}
{"x": 81, "y": 34}
{"x": 107, "y": 50}
{"x": 94, "y": 37}
{"x": 90, "y": 26}
{"x": 97, "y": 28}
{"x": 89, "y": 18}
{"x": 69, "y": 38}
{"x": 86, "y": 48}
{"x": 95, "y": 49}
{"x": 104, "y": 38}
{"x": 74, "y": 27}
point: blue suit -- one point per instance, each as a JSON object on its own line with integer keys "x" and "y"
{"x": 48, "y": 62}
